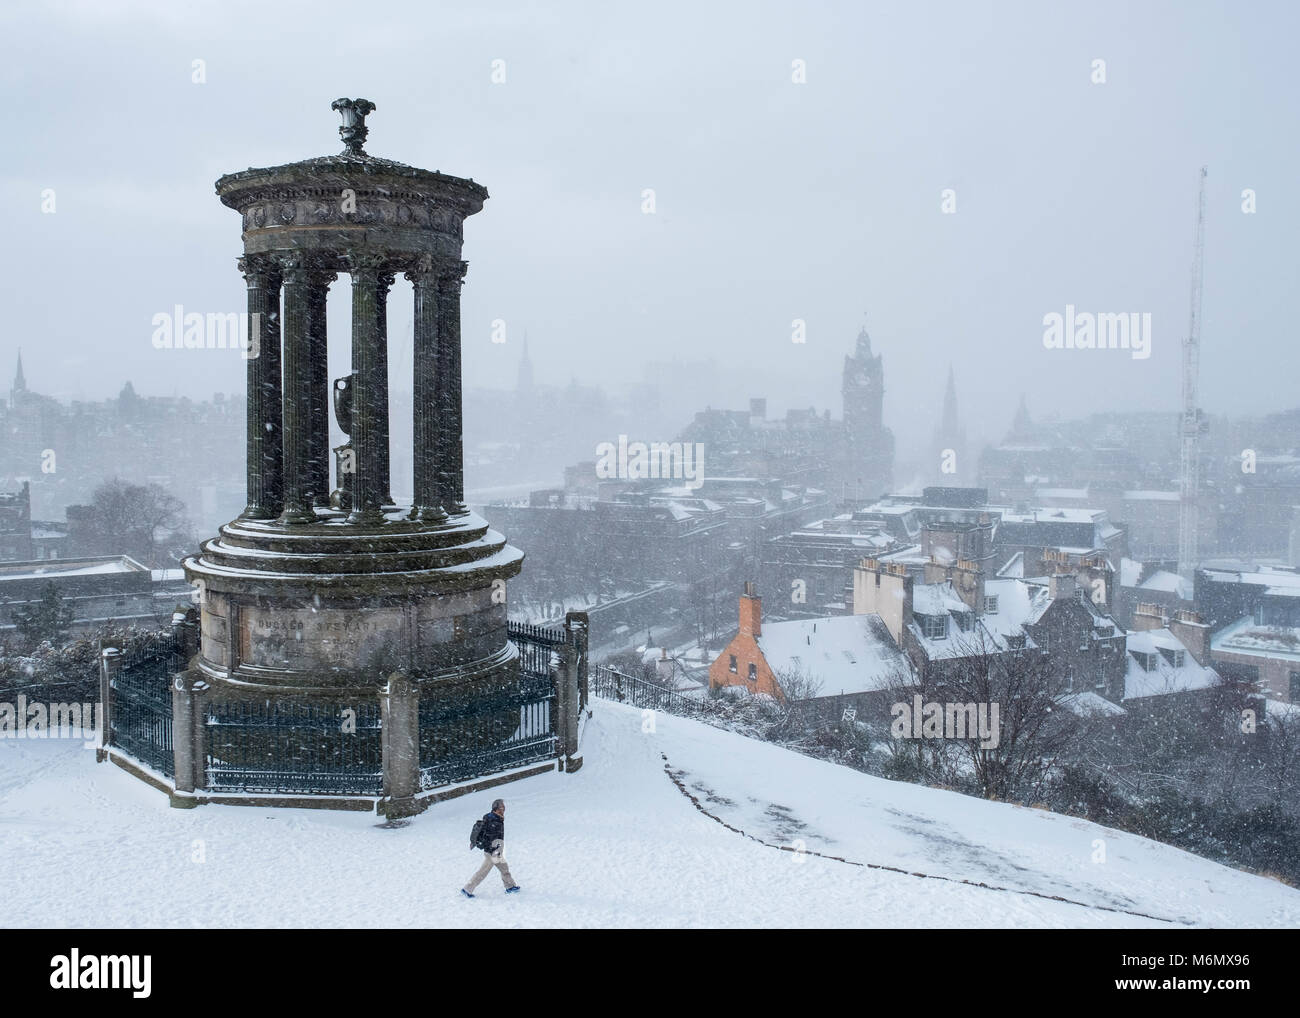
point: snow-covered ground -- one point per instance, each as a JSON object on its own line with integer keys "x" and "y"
{"x": 616, "y": 844}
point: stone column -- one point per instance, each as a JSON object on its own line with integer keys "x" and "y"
{"x": 426, "y": 504}
{"x": 318, "y": 451}
{"x": 381, "y": 394}
{"x": 365, "y": 268}
{"x": 400, "y": 742}
{"x": 297, "y": 390}
{"x": 451, "y": 471}
{"x": 264, "y": 466}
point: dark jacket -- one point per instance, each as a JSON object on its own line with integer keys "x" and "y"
{"x": 494, "y": 829}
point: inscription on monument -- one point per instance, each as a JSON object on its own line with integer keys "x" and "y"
{"x": 305, "y": 640}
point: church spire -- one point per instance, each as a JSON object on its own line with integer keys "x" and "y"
{"x": 1021, "y": 425}
{"x": 20, "y": 383}
{"x": 950, "y": 406}
{"x": 524, "y": 380}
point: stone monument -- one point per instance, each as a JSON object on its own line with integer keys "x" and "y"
{"x": 331, "y": 591}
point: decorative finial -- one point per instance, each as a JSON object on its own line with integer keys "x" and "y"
{"x": 354, "y": 130}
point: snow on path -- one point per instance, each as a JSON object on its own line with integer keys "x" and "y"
{"x": 615, "y": 844}
{"x": 787, "y": 799}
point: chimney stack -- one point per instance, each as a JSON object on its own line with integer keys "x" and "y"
{"x": 751, "y": 612}
{"x": 1062, "y": 585}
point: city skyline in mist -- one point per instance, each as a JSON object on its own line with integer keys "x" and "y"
{"x": 776, "y": 200}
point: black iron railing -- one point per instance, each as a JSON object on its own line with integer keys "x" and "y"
{"x": 611, "y": 684}
{"x": 474, "y": 731}
{"x": 140, "y": 718}
{"x": 285, "y": 746}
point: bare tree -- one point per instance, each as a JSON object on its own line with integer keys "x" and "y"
{"x": 1034, "y": 726}
{"x": 144, "y": 521}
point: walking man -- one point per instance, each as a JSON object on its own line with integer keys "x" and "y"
{"x": 492, "y": 841}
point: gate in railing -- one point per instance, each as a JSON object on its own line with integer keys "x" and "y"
{"x": 140, "y": 717}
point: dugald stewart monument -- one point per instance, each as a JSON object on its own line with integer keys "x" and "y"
{"x": 349, "y": 647}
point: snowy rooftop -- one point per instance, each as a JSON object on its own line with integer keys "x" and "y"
{"x": 52, "y": 568}
{"x": 1246, "y": 636}
{"x": 936, "y": 599}
{"x": 845, "y": 653}
{"x": 1169, "y": 583}
{"x": 1279, "y": 581}
{"x": 1156, "y": 647}
{"x": 1090, "y": 704}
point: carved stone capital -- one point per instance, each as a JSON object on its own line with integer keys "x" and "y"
{"x": 318, "y": 277}
{"x": 452, "y": 275}
{"x": 257, "y": 269}
{"x": 422, "y": 271}
{"x": 294, "y": 266}
{"x": 364, "y": 262}
{"x": 385, "y": 282}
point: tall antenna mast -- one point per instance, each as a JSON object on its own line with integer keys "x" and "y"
{"x": 1189, "y": 477}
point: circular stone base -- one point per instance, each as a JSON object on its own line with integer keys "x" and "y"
{"x": 333, "y": 606}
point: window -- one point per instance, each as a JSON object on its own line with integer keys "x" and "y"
{"x": 990, "y": 604}
{"x": 935, "y": 627}
{"x": 732, "y": 667}
{"x": 964, "y": 622}
{"x": 1146, "y": 661}
{"x": 1180, "y": 658}
{"x": 1080, "y": 595}
{"x": 1042, "y": 642}
{"x": 753, "y": 672}
{"x": 1295, "y": 687}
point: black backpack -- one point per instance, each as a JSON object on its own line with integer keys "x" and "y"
{"x": 476, "y": 834}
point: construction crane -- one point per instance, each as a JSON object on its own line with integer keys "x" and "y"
{"x": 1192, "y": 423}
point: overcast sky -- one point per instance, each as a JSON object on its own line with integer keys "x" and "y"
{"x": 775, "y": 200}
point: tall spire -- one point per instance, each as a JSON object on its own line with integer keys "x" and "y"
{"x": 20, "y": 383}
{"x": 524, "y": 380}
{"x": 950, "y": 406}
{"x": 864, "y": 343}
{"x": 1022, "y": 424}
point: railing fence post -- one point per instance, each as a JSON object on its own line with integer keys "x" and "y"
{"x": 110, "y": 665}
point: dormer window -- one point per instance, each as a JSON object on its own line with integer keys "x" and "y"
{"x": 990, "y": 604}
{"x": 1147, "y": 662}
{"x": 934, "y": 627}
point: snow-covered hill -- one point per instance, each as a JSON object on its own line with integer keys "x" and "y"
{"x": 620, "y": 843}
